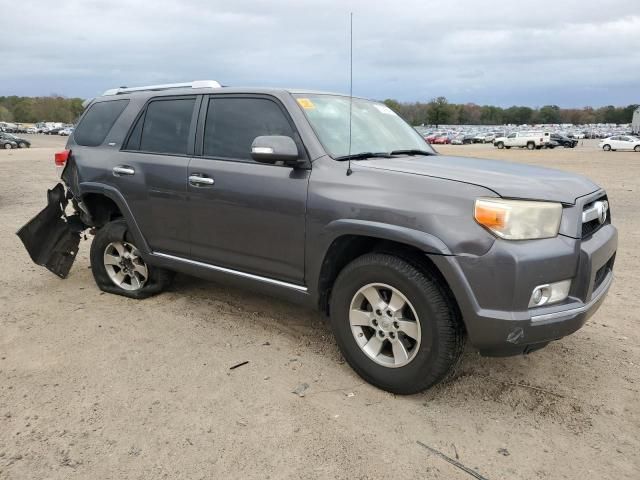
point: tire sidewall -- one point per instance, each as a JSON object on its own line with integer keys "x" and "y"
{"x": 428, "y": 314}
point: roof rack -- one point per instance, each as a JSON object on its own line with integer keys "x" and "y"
{"x": 166, "y": 86}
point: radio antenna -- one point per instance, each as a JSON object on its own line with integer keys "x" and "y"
{"x": 349, "y": 171}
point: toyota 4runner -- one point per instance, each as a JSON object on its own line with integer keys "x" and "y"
{"x": 335, "y": 203}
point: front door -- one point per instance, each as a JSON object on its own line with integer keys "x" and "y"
{"x": 245, "y": 215}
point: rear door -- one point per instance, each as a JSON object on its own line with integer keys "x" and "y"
{"x": 151, "y": 171}
{"x": 246, "y": 216}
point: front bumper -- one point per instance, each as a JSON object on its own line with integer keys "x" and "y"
{"x": 493, "y": 290}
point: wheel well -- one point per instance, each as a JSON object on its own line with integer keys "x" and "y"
{"x": 101, "y": 208}
{"x": 347, "y": 248}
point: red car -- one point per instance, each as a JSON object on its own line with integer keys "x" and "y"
{"x": 441, "y": 140}
{"x": 430, "y": 138}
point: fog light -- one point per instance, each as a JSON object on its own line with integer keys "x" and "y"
{"x": 549, "y": 293}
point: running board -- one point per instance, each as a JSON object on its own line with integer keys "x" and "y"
{"x": 237, "y": 273}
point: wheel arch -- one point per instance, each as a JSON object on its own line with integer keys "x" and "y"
{"x": 105, "y": 203}
{"x": 410, "y": 245}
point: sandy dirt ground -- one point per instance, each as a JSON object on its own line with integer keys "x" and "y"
{"x": 97, "y": 386}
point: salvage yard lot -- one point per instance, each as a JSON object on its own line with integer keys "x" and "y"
{"x": 99, "y": 386}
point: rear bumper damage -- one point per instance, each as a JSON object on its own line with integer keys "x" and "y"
{"x": 52, "y": 237}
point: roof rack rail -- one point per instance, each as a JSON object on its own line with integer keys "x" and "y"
{"x": 166, "y": 86}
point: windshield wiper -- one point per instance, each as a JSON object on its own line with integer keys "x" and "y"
{"x": 364, "y": 155}
{"x": 411, "y": 152}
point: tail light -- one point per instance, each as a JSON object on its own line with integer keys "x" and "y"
{"x": 61, "y": 158}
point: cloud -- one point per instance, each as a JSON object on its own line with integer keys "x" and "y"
{"x": 572, "y": 53}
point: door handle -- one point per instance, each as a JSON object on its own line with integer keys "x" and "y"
{"x": 199, "y": 180}
{"x": 123, "y": 170}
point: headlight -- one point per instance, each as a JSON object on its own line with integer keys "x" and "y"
{"x": 518, "y": 219}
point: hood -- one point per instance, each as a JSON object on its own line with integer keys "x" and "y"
{"x": 507, "y": 179}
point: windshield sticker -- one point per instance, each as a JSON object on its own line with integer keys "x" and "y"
{"x": 383, "y": 109}
{"x": 306, "y": 103}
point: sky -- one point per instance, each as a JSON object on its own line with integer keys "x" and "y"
{"x": 571, "y": 53}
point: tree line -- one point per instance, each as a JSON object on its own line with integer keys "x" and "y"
{"x": 440, "y": 112}
{"x": 53, "y": 108}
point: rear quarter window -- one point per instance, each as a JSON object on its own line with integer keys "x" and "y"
{"x": 97, "y": 122}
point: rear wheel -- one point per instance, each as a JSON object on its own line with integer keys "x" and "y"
{"x": 7, "y": 146}
{"x": 22, "y": 145}
{"x": 636, "y": 148}
{"x": 531, "y": 146}
{"x": 118, "y": 266}
{"x": 607, "y": 148}
{"x": 394, "y": 324}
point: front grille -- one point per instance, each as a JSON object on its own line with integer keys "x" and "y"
{"x": 602, "y": 272}
{"x": 592, "y": 226}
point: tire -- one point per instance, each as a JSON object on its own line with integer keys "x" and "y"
{"x": 606, "y": 148}
{"x": 115, "y": 256}
{"x": 435, "y": 339}
{"x": 22, "y": 145}
{"x": 531, "y": 146}
{"x": 7, "y": 146}
{"x": 507, "y": 147}
{"x": 636, "y": 148}
{"x": 500, "y": 145}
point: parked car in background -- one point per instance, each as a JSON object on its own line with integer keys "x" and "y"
{"x": 441, "y": 140}
{"x": 65, "y": 132}
{"x": 32, "y": 130}
{"x": 563, "y": 141}
{"x": 53, "y": 131}
{"x": 529, "y": 140}
{"x": 430, "y": 137}
{"x": 7, "y": 144}
{"x": 20, "y": 142}
{"x": 620, "y": 142}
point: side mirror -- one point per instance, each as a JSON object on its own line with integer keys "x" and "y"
{"x": 275, "y": 148}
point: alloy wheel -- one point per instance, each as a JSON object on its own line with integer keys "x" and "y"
{"x": 385, "y": 325}
{"x": 125, "y": 266}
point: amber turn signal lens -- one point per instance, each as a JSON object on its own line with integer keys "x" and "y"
{"x": 490, "y": 216}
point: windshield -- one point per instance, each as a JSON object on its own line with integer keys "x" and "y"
{"x": 374, "y": 126}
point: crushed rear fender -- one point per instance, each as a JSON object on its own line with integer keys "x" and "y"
{"x": 52, "y": 237}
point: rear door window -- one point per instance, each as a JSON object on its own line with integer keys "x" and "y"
{"x": 97, "y": 122}
{"x": 232, "y": 125}
{"x": 166, "y": 127}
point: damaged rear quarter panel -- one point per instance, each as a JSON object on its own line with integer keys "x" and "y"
{"x": 52, "y": 238}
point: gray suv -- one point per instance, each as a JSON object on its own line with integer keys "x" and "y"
{"x": 335, "y": 203}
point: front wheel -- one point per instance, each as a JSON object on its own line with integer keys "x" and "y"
{"x": 118, "y": 266}
{"x": 22, "y": 145}
{"x": 395, "y": 324}
{"x": 607, "y": 148}
{"x": 636, "y": 148}
{"x": 7, "y": 146}
{"x": 500, "y": 145}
